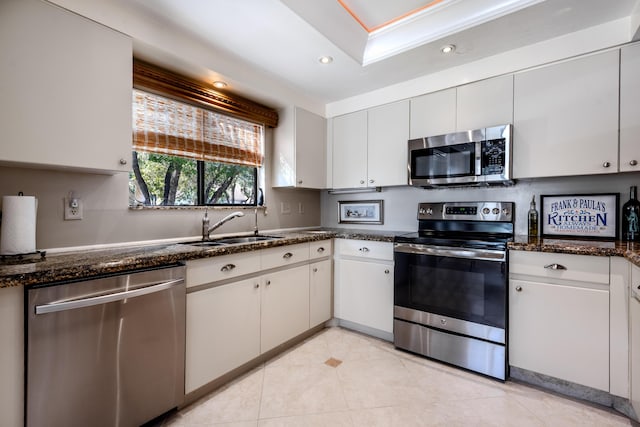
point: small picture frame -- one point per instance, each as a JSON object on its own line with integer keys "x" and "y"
{"x": 592, "y": 216}
{"x": 361, "y": 212}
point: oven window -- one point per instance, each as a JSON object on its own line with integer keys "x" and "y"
{"x": 446, "y": 161}
{"x": 467, "y": 289}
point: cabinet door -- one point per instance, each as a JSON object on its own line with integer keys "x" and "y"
{"x": 320, "y": 295}
{"x": 350, "y": 150}
{"x": 388, "y": 130}
{"x": 223, "y": 330}
{"x": 485, "y": 103}
{"x": 566, "y": 118}
{"x": 634, "y": 326}
{"x": 285, "y": 306}
{"x": 364, "y": 293}
{"x": 310, "y": 150}
{"x": 560, "y": 331}
{"x": 66, "y": 87}
{"x": 630, "y": 108}
{"x": 433, "y": 114}
{"x": 299, "y": 149}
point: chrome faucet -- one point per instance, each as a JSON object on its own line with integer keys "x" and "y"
{"x": 206, "y": 230}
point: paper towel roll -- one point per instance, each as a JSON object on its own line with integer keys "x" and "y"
{"x": 18, "y": 230}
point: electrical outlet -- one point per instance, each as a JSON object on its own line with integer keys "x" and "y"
{"x": 285, "y": 208}
{"x": 72, "y": 208}
{"x": 300, "y": 208}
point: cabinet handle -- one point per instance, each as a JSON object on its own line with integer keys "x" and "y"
{"x": 228, "y": 267}
{"x": 315, "y": 270}
{"x": 362, "y": 181}
{"x": 555, "y": 266}
{"x": 268, "y": 282}
{"x": 633, "y": 162}
{"x": 364, "y": 249}
{"x": 299, "y": 181}
{"x": 320, "y": 249}
{"x": 386, "y": 271}
{"x": 606, "y": 164}
{"x": 287, "y": 255}
{"x": 371, "y": 181}
{"x": 518, "y": 288}
{"x": 123, "y": 162}
{"x": 257, "y": 285}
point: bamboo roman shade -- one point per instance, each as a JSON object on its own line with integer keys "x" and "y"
{"x": 166, "y": 126}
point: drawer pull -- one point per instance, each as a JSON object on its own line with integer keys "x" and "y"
{"x": 268, "y": 282}
{"x": 287, "y": 255}
{"x": 228, "y": 267}
{"x": 364, "y": 249}
{"x": 386, "y": 271}
{"x": 633, "y": 162}
{"x": 315, "y": 269}
{"x": 257, "y": 285}
{"x": 518, "y": 288}
{"x": 555, "y": 266}
{"x": 320, "y": 250}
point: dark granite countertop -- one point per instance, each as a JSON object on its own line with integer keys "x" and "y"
{"x": 90, "y": 263}
{"x": 628, "y": 250}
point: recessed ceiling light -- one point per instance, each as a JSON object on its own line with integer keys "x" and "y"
{"x": 449, "y": 48}
{"x": 325, "y": 60}
{"x": 220, "y": 84}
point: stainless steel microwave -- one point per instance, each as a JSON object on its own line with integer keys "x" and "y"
{"x": 475, "y": 157}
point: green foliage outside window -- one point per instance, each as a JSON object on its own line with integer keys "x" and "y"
{"x": 164, "y": 180}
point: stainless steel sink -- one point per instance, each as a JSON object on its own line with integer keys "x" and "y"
{"x": 230, "y": 240}
{"x": 244, "y": 239}
{"x": 203, "y": 243}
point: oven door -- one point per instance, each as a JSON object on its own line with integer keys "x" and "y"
{"x": 443, "y": 163}
{"x": 456, "y": 289}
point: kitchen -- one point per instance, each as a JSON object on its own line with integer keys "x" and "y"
{"x": 109, "y": 221}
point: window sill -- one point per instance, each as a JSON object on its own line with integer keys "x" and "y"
{"x": 194, "y": 208}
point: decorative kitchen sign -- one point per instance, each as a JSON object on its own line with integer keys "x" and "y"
{"x": 361, "y": 212}
{"x": 581, "y": 215}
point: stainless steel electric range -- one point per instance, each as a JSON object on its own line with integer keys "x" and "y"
{"x": 450, "y": 285}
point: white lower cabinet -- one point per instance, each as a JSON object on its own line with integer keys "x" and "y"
{"x": 559, "y": 327}
{"x": 634, "y": 345}
{"x": 363, "y": 284}
{"x": 232, "y": 320}
{"x": 320, "y": 295}
{"x": 284, "y": 306}
{"x": 223, "y": 330}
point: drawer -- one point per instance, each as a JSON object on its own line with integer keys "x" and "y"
{"x": 284, "y": 255}
{"x": 320, "y": 249}
{"x": 364, "y": 249}
{"x": 209, "y": 270}
{"x": 579, "y": 268}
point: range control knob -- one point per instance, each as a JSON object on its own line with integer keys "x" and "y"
{"x": 486, "y": 211}
{"x": 422, "y": 211}
{"x": 429, "y": 211}
{"x": 495, "y": 211}
{"x": 506, "y": 212}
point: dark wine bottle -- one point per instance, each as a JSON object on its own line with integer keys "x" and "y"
{"x": 631, "y": 217}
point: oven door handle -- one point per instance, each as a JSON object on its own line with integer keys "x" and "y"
{"x": 446, "y": 251}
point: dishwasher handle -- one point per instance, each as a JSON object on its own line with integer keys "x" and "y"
{"x": 103, "y": 299}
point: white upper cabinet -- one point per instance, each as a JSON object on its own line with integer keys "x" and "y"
{"x": 299, "y": 158}
{"x": 370, "y": 147}
{"x": 433, "y": 114}
{"x": 472, "y": 106}
{"x": 630, "y": 108}
{"x": 350, "y": 150}
{"x": 566, "y": 118}
{"x": 388, "y": 131}
{"x": 66, "y": 89}
{"x": 485, "y": 103}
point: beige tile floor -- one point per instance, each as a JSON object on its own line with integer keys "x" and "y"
{"x": 376, "y": 385}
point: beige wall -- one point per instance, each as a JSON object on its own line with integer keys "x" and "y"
{"x": 108, "y": 219}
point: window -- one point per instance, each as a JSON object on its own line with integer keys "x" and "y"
{"x": 199, "y": 152}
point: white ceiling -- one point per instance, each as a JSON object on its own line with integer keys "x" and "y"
{"x": 277, "y": 43}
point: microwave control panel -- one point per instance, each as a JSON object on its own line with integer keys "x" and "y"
{"x": 493, "y": 156}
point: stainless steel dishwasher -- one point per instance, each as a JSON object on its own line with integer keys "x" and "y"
{"x": 107, "y": 351}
